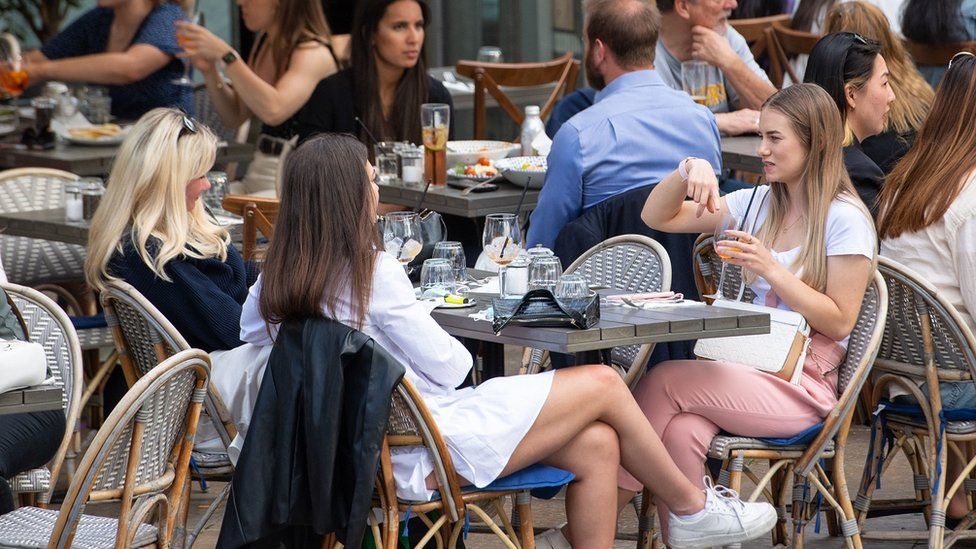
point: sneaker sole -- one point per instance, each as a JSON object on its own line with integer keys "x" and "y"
{"x": 727, "y": 539}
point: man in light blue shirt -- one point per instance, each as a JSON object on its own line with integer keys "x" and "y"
{"x": 636, "y": 132}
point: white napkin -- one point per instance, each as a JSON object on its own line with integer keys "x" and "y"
{"x": 485, "y": 314}
{"x": 542, "y": 144}
{"x": 458, "y": 86}
{"x": 60, "y": 124}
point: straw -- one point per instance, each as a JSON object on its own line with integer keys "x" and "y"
{"x": 423, "y": 196}
{"x": 517, "y": 210}
{"x": 369, "y": 134}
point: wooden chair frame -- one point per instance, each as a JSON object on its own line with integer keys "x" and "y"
{"x": 72, "y": 390}
{"x": 754, "y": 31}
{"x": 926, "y": 54}
{"x": 411, "y": 424}
{"x": 490, "y": 77}
{"x": 260, "y": 215}
{"x": 784, "y": 43}
{"x": 926, "y": 341}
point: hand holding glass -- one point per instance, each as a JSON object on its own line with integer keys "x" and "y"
{"x": 196, "y": 17}
{"x": 728, "y": 222}
{"x": 401, "y": 236}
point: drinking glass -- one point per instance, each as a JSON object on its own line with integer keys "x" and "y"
{"x": 454, "y": 253}
{"x": 213, "y": 197}
{"x": 502, "y": 239}
{"x": 702, "y": 82}
{"x": 401, "y": 236}
{"x": 195, "y": 17}
{"x": 435, "y": 121}
{"x": 572, "y": 286}
{"x": 544, "y": 273}
{"x": 437, "y": 278}
{"x": 490, "y": 54}
{"x": 13, "y": 79}
{"x": 728, "y": 222}
{"x": 387, "y": 162}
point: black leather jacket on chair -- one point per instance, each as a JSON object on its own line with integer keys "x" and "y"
{"x": 309, "y": 461}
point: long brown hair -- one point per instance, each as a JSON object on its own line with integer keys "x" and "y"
{"x": 325, "y": 241}
{"x": 932, "y": 173}
{"x": 816, "y": 121}
{"x": 297, "y": 22}
{"x": 913, "y": 95}
{"x": 404, "y": 121}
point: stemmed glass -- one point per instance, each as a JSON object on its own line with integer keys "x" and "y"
{"x": 13, "y": 79}
{"x": 502, "y": 239}
{"x": 728, "y": 222}
{"x": 401, "y": 236}
{"x": 195, "y": 17}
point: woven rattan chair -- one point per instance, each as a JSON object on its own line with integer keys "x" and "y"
{"x": 925, "y": 340}
{"x": 632, "y": 263}
{"x": 143, "y": 339}
{"x": 708, "y": 267}
{"x": 411, "y": 425}
{"x": 47, "y": 325}
{"x": 489, "y": 78}
{"x": 139, "y": 457}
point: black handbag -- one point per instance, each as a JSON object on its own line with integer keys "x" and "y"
{"x": 541, "y": 308}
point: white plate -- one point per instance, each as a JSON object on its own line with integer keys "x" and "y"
{"x": 6, "y": 129}
{"x": 468, "y": 152}
{"x": 461, "y": 175}
{"x": 101, "y": 142}
{"x": 519, "y": 169}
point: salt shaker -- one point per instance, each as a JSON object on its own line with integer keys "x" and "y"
{"x": 92, "y": 190}
{"x": 412, "y": 166}
{"x": 73, "y": 209}
{"x": 514, "y": 280}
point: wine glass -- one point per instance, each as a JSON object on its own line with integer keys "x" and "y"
{"x": 502, "y": 239}
{"x": 401, "y": 236}
{"x": 195, "y": 17}
{"x": 13, "y": 78}
{"x": 728, "y": 222}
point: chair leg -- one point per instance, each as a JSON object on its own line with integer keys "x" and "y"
{"x": 207, "y": 515}
{"x": 647, "y": 536}
{"x": 523, "y": 502}
{"x": 780, "y": 489}
{"x": 736, "y": 464}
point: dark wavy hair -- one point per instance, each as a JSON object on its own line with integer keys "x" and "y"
{"x": 934, "y": 23}
{"x": 840, "y": 59}
{"x": 325, "y": 238}
{"x": 404, "y": 121}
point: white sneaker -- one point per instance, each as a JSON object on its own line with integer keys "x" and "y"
{"x": 726, "y": 519}
{"x": 552, "y": 539}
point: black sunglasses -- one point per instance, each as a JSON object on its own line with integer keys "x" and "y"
{"x": 958, "y": 56}
{"x": 189, "y": 126}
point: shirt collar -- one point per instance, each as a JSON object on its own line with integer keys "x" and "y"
{"x": 628, "y": 80}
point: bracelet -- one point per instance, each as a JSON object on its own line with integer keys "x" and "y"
{"x": 682, "y": 169}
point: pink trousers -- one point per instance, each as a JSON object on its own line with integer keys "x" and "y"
{"x": 689, "y": 401}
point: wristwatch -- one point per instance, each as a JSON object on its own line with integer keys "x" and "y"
{"x": 229, "y": 57}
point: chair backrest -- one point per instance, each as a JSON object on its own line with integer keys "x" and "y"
{"x": 708, "y": 268}
{"x": 29, "y": 189}
{"x": 862, "y": 348}
{"x": 785, "y": 43}
{"x": 754, "y": 30}
{"x": 48, "y": 325}
{"x": 632, "y": 263}
{"x": 489, "y": 77}
{"x": 913, "y": 302}
{"x": 259, "y": 215}
{"x": 141, "y": 453}
{"x": 144, "y": 338}
{"x": 927, "y": 54}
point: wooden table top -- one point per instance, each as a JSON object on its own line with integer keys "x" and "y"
{"x": 618, "y": 326}
{"x": 448, "y": 200}
{"x": 33, "y": 399}
{"x": 739, "y": 153}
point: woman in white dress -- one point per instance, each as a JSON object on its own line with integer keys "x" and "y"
{"x": 326, "y": 260}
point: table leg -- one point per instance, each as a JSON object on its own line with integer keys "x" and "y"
{"x": 493, "y": 360}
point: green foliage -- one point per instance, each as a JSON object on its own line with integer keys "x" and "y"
{"x": 42, "y": 18}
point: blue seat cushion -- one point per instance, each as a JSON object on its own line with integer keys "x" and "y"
{"x": 914, "y": 411}
{"x": 803, "y": 437}
{"x": 544, "y": 481}
{"x": 88, "y": 322}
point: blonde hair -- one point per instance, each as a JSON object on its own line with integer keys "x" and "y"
{"x": 146, "y": 198}
{"x": 913, "y": 95}
{"x": 814, "y": 118}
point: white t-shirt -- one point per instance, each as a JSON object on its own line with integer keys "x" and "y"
{"x": 849, "y": 232}
{"x": 3, "y": 275}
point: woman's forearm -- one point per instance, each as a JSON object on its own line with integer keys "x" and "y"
{"x": 224, "y": 99}
{"x": 100, "y": 68}
{"x": 664, "y": 202}
{"x": 261, "y": 98}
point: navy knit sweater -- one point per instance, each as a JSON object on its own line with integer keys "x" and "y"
{"x": 204, "y": 299}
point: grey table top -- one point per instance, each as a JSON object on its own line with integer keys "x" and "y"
{"x": 448, "y": 200}
{"x": 618, "y": 326}
{"x": 33, "y": 399}
{"x": 87, "y": 161}
{"x": 50, "y": 225}
{"x": 739, "y": 153}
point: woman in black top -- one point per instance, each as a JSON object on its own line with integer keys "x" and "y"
{"x": 851, "y": 69}
{"x": 388, "y": 79}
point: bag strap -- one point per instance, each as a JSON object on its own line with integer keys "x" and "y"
{"x": 536, "y": 296}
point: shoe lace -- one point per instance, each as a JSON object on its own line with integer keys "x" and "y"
{"x": 722, "y": 498}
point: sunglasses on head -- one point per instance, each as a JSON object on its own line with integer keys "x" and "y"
{"x": 189, "y": 126}
{"x": 858, "y": 38}
{"x": 959, "y": 56}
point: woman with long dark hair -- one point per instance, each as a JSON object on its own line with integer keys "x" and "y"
{"x": 326, "y": 260}
{"x": 927, "y": 220}
{"x": 388, "y": 79}
{"x": 854, "y": 74}
{"x": 292, "y": 53}
{"x": 937, "y": 24}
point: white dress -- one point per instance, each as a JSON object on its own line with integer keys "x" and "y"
{"x": 481, "y": 426}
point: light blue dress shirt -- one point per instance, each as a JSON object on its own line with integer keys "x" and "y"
{"x": 635, "y": 134}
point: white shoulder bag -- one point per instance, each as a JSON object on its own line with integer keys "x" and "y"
{"x": 781, "y": 352}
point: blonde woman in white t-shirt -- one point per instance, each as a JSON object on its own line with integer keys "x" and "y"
{"x": 927, "y": 219}
{"x": 812, "y": 251}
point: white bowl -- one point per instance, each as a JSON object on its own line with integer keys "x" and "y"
{"x": 468, "y": 152}
{"x": 519, "y": 169}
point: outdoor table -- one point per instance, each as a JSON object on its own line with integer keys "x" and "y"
{"x": 32, "y": 399}
{"x": 96, "y": 161}
{"x": 463, "y": 99}
{"x": 448, "y": 200}
{"x": 739, "y": 153}
{"x": 51, "y": 225}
